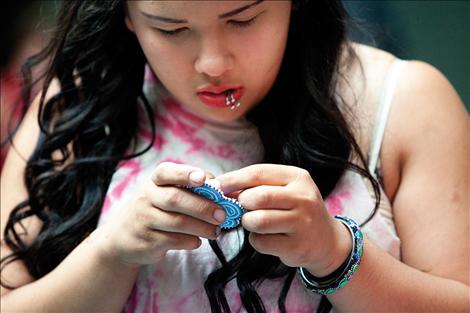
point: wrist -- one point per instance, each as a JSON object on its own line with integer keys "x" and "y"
{"x": 338, "y": 278}
{"x": 101, "y": 241}
{"x": 340, "y": 251}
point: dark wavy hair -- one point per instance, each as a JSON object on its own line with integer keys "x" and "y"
{"x": 100, "y": 68}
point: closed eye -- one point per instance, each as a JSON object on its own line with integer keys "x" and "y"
{"x": 235, "y": 23}
{"x": 244, "y": 23}
{"x": 173, "y": 32}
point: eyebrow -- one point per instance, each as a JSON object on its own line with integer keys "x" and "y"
{"x": 225, "y": 15}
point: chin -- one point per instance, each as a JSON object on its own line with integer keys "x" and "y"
{"x": 219, "y": 115}
{"x": 226, "y": 117}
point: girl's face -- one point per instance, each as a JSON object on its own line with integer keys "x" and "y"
{"x": 204, "y": 52}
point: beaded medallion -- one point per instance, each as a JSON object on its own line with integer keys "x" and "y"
{"x": 232, "y": 207}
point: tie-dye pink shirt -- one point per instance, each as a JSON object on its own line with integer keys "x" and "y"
{"x": 175, "y": 283}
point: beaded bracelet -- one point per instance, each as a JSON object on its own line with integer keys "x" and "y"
{"x": 331, "y": 283}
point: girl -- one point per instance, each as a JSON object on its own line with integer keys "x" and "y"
{"x": 266, "y": 100}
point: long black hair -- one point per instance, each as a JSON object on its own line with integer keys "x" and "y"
{"x": 100, "y": 68}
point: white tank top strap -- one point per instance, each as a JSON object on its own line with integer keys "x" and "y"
{"x": 382, "y": 113}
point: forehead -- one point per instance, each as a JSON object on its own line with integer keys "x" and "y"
{"x": 193, "y": 8}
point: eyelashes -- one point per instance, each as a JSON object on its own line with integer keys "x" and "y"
{"x": 242, "y": 24}
{"x": 170, "y": 33}
{"x": 179, "y": 31}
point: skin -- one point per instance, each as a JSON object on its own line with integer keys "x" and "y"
{"x": 210, "y": 50}
{"x": 424, "y": 152}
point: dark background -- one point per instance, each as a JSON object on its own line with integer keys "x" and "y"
{"x": 437, "y": 32}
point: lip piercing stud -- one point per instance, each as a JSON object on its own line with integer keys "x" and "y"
{"x": 235, "y": 106}
{"x": 230, "y": 101}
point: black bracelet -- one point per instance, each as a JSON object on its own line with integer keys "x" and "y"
{"x": 330, "y": 283}
{"x": 326, "y": 280}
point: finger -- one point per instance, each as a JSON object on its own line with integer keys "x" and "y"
{"x": 178, "y": 200}
{"x": 183, "y": 224}
{"x": 233, "y": 195}
{"x": 268, "y": 197}
{"x": 178, "y": 241}
{"x": 258, "y": 174}
{"x": 173, "y": 241}
{"x": 273, "y": 244}
{"x": 169, "y": 173}
{"x": 270, "y": 221}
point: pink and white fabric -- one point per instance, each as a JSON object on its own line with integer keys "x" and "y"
{"x": 175, "y": 283}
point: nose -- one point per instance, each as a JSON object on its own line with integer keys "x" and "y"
{"x": 214, "y": 58}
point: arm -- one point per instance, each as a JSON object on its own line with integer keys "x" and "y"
{"x": 82, "y": 281}
{"x": 429, "y": 129}
{"x": 428, "y": 135}
{"x": 99, "y": 273}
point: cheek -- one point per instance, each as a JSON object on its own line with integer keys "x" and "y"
{"x": 264, "y": 57}
{"x": 167, "y": 61}
{"x": 265, "y": 49}
{"x": 274, "y": 52}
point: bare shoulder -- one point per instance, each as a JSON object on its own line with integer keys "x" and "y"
{"x": 370, "y": 56}
{"x": 424, "y": 103}
{"x": 422, "y": 95}
{"x": 427, "y": 116}
{"x": 368, "y": 72}
{"x": 426, "y": 108}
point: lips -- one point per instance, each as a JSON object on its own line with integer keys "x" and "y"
{"x": 215, "y": 96}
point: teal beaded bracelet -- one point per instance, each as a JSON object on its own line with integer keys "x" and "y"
{"x": 350, "y": 266}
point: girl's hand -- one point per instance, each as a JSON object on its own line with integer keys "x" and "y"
{"x": 287, "y": 217}
{"x": 161, "y": 217}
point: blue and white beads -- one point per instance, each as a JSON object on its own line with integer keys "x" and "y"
{"x": 232, "y": 207}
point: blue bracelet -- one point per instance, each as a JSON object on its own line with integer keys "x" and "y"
{"x": 232, "y": 207}
{"x": 351, "y": 267}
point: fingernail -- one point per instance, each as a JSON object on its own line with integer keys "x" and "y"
{"x": 226, "y": 189}
{"x": 219, "y": 215}
{"x": 197, "y": 177}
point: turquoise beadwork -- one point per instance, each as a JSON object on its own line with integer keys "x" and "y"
{"x": 232, "y": 207}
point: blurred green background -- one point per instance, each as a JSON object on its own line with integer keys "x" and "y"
{"x": 437, "y": 32}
